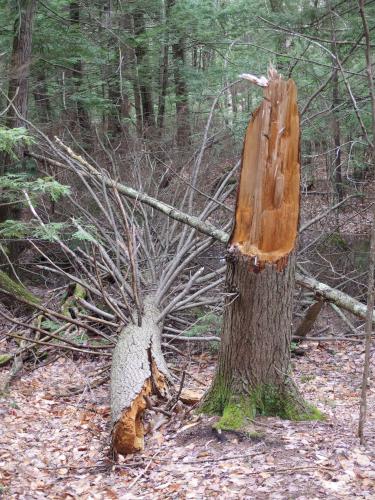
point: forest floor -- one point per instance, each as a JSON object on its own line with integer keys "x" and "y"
{"x": 56, "y": 446}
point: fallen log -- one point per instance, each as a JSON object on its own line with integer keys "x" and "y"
{"x": 308, "y": 321}
{"x": 16, "y": 290}
{"x": 138, "y": 370}
{"x": 341, "y": 299}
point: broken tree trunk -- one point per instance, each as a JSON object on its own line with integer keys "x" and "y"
{"x": 138, "y": 371}
{"x": 254, "y": 361}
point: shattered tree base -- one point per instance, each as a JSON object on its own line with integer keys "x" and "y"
{"x": 138, "y": 371}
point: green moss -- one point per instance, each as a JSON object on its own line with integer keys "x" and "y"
{"x": 270, "y": 401}
{"x": 307, "y": 378}
{"x": 255, "y": 435}
{"x": 267, "y": 400}
{"x": 75, "y": 292}
{"x": 236, "y": 415}
{"x": 5, "y": 358}
{"x": 16, "y": 289}
{"x": 216, "y": 399}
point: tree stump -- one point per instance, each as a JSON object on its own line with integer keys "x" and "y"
{"x": 253, "y": 374}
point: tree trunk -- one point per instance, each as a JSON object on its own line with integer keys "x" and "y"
{"x": 337, "y": 175}
{"x": 41, "y": 97}
{"x": 20, "y": 63}
{"x": 145, "y": 86}
{"x": 163, "y": 85}
{"x": 82, "y": 117}
{"x": 182, "y": 98}
{"x": 18, "y": 93}
{"x": 254, "y": 361}
{"x": 118, "y": 118}
{"x": 138, "y": 371}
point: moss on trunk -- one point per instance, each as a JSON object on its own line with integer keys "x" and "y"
{"x": 238, "y": 410}
{"x": 16, "y": 289}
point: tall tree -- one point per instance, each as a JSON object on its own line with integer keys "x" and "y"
{"x": 163, "y": 71}
{"x": 82, "y": 117}
{"x": 20, "y": 63}
{"x": 18, "y": 92}
{"x": 145, "y": 88}
{"x": 182, "y": 97}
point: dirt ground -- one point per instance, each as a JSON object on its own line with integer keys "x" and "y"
{"x": 55, "y": 446}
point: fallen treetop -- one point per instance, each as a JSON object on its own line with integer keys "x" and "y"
{"x": 326, "y": 292}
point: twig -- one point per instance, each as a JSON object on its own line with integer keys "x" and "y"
{"x": 182, "y": 294}
{"x": 173, "y": 348}
{"x": 36, "y": 329}
{"x": 344, "y": 318}
{"x": 193, "y": 377}
{"x": 91, "y": 307}
{"x": 328, "y": 339}
{"x": 324, "y": 214}
{"x": 370, "y": 289}
{"x": 78, "y": 390}
{"x": 368, "y": 329}
{"x": 133, "y": 483}
{"x": 193, "y": 338}
{"x": 60, "y": 346}
{"x": 182, "y": 381}
{"x": 54, "y": 314}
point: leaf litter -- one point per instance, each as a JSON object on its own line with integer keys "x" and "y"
{"x": 57, "y": 447}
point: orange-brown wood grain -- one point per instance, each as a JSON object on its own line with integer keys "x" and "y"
{"x": 267, "y": 210}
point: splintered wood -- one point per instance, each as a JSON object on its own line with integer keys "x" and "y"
{"x": 267, "y": 209}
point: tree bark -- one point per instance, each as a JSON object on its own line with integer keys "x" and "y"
{"x": 138, "y": 371}
{"x": 118, "y": 118}
{"x": 20, "y": 63}
{"x": 82, "y": 117}
{"x": 337, "y": 175}
{"x": 254, "y": 361}
{"x": 18, "y": 92}
{"x": 163, "y": 87}
{"x": 41, "y": 97}
{"x": 183, "y": 131}
{"x": 182, "y": 97}
{"x": 148, "y": 116}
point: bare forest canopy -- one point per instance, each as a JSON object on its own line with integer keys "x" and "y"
{"x": 163, "y": 185}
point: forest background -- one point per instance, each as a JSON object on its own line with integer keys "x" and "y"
{"x": 149, "y": 92}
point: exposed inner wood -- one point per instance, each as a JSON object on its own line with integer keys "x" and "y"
{"x": 267, "y": 209}
{"x": 128, "y": 432}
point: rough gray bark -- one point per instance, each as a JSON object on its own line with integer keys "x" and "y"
{"x": 20, "y": 64}
{"x": 138, "y": 370}
{"x": 261, "y": 315}
{"x": 82, "y": 116}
